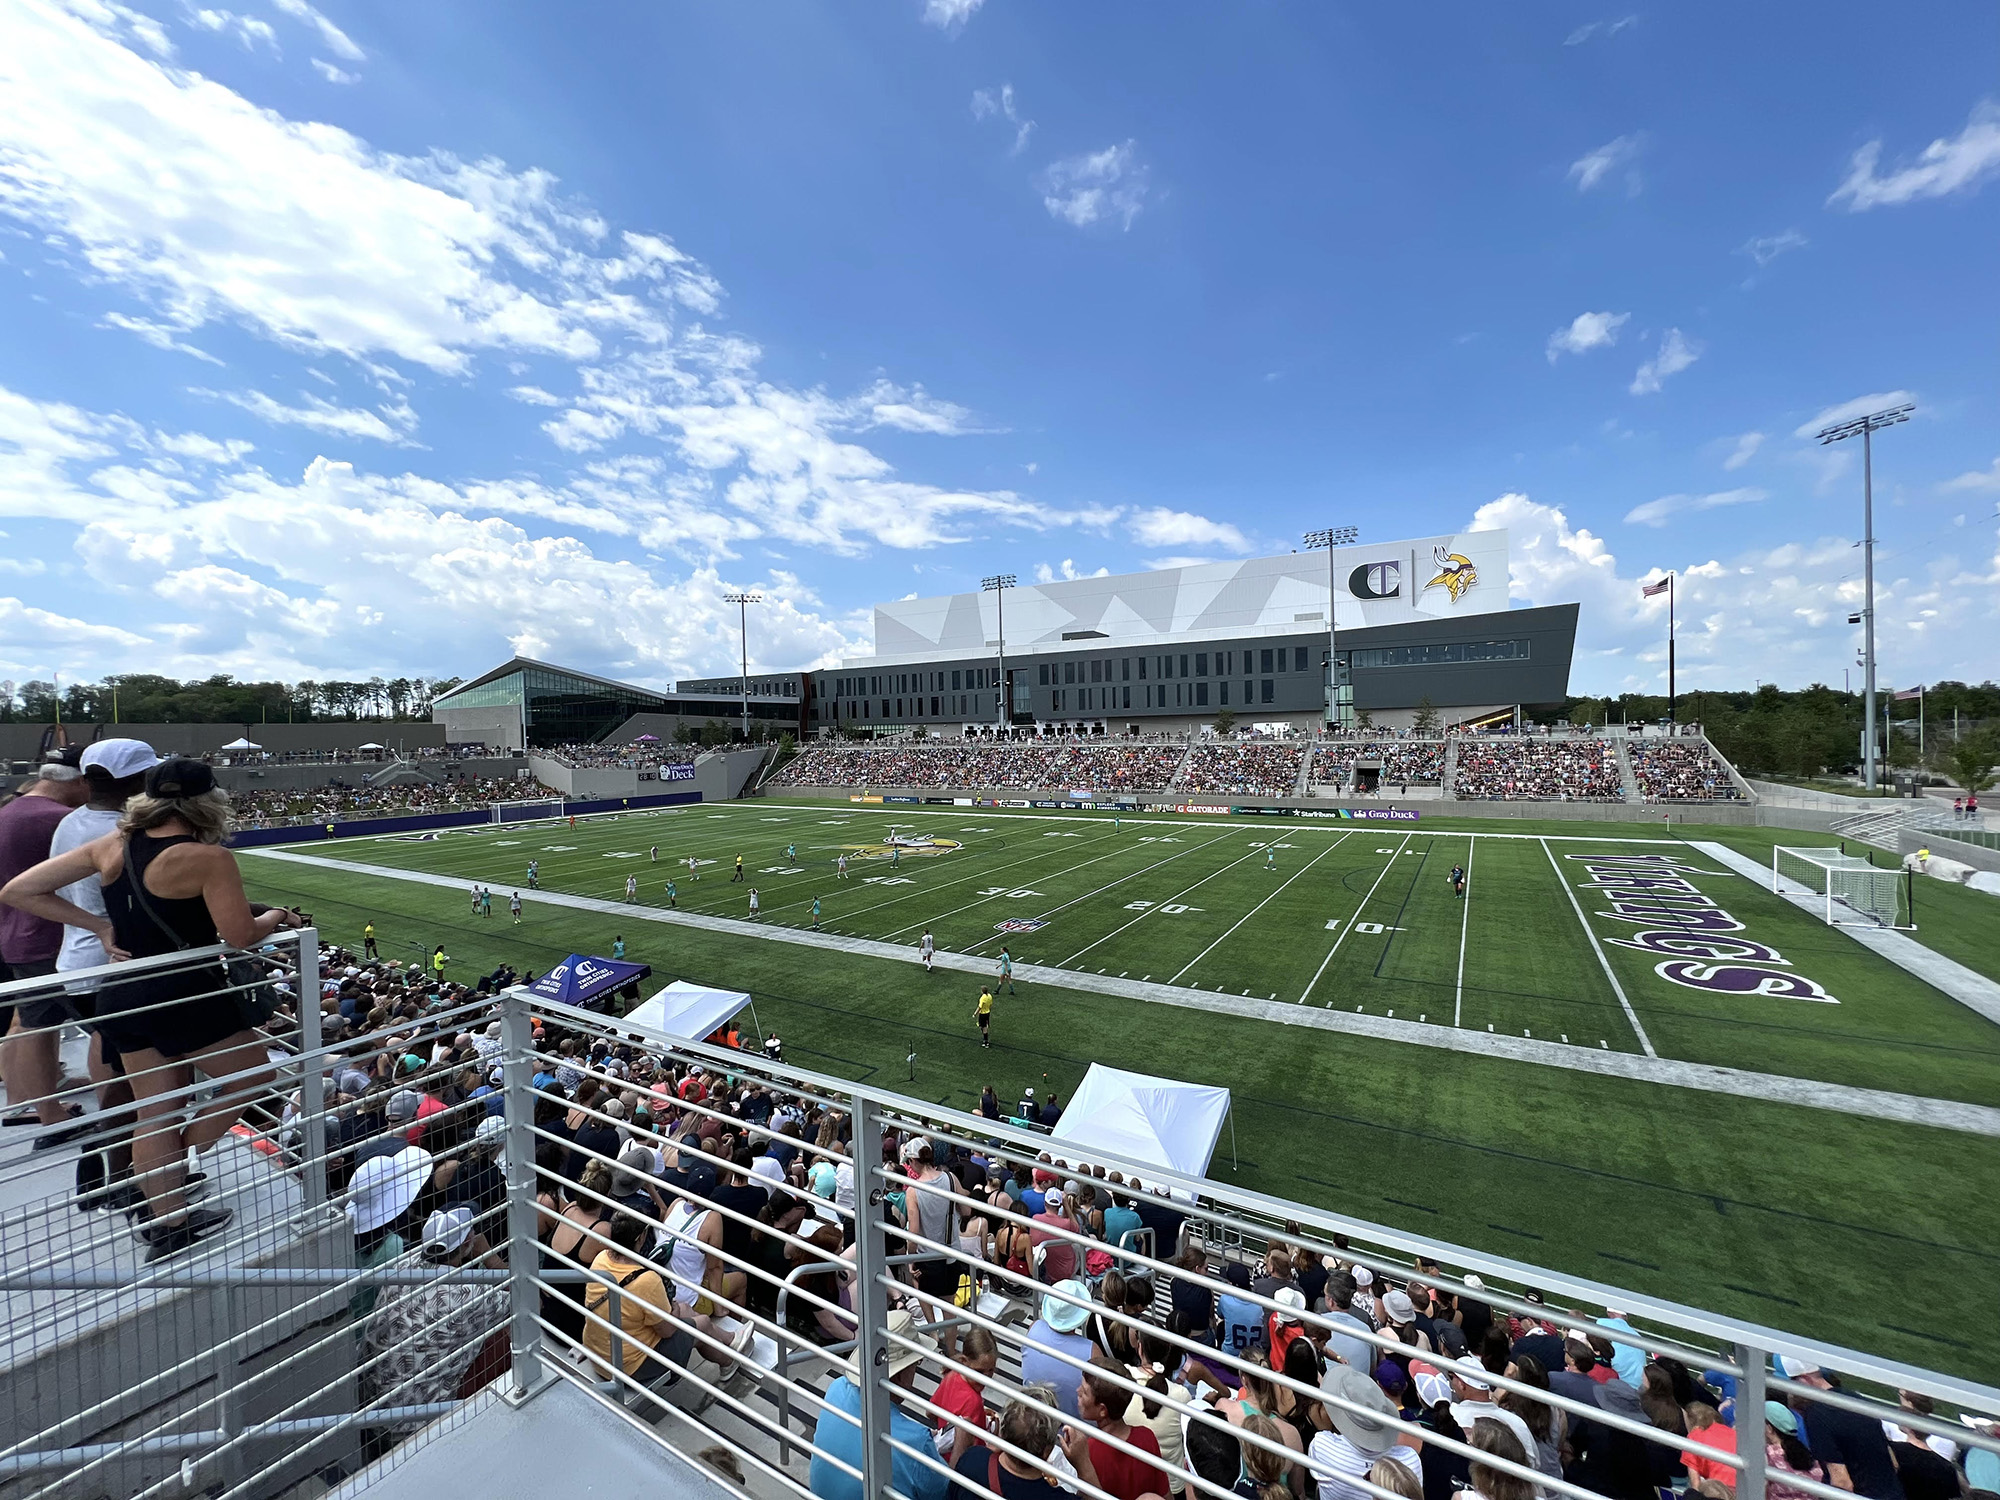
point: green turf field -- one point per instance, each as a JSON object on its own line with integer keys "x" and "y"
{"x": 1803, "y": 1218}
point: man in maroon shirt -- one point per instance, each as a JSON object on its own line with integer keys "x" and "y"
{"x": 28, "y": 945}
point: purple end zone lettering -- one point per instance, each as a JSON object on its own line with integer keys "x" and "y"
{"x": 1690, "y": 921}
{"x": 1680, "y": 945}
{"x": 1734, "y": 979}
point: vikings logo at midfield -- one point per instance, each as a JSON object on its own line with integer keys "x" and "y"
{"x": 909, "y": 845}
{"x": 1455, "y": 572}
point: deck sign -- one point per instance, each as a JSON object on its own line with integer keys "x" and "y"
{"x": 1690, "y": 930}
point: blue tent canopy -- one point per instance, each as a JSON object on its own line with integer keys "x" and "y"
{"x": 579, "y": 979}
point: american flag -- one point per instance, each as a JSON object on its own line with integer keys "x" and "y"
{"x": 1647, "y": 590}
{"x": 1913, "y": 693}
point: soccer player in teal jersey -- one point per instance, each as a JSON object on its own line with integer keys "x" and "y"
{"x": 791, "y": 854}
{"x": 618, "y": 947}
{"x": 1007, "y": 970}
{"x": 673, "y": 897}
{"x": 1271, "y": 859}
{"x": 534, "y": 874}
{"x": 815, "y": 914}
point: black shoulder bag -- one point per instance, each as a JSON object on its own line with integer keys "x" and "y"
{"x": 249, "y": 982}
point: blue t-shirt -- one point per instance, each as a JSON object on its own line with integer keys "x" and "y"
{"x": 1037, "y": 1364}
{"x": 1242, "y": 1323}
{"x": 1119, "y": 1222}
{"x": 837, "y": 1436}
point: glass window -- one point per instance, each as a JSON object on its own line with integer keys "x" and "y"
{"x": 1142, "y": 669}
{"x": 1223, "y": 688}
{"x": 1201, "y": 695}
{"x": 1267, "y": 660}
{"x": 1270, "y": 690}
{"x": 1128, "y": 697}
{"x": 1247, "y": 698}
{"x": 1096, "y": 672}
{"x": 1184, "y": 664}
{"x": 1201, "y": 664}
{"x": 1125, "y": 672}
{"x": 1299, "y": 658}
{"x": 1440, "y": 653}
{"x": 1045, "y": 674}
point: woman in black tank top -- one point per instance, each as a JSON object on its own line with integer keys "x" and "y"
{"x": 168, "y": 884}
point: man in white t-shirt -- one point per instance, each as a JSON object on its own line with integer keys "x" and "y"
{"x": 1359, "y": 1437}
{"x": 1472, "y": 1398}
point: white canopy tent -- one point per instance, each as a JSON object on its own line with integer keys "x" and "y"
{"x": 689, "y": 1011}
{"x": 1160, "y": 1121}
{"x": 240, "y": 743}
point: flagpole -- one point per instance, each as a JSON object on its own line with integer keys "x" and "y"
{"x": 1673, "y": 720}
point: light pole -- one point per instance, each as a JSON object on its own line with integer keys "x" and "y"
{"x": 1867, "y": 427}
{"x": 997, "y": 586}
{"x": 743, "y": 603}
{"x": 1331, "y": 537}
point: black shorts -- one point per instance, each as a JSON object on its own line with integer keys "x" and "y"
{"x": 938, "y": 1277}
{"x": 49, "y": 1008}
{"x": 172, "y": 1030}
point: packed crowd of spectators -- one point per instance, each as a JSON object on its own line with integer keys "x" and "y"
{"x": 1560, "y": 770}
{"x": 632, "y": 757}
{"x": 1258, "y": 768}
{"x": 1404, "y": 762}
{"x": 1051, "y": 764}
{"x": 1679, "y": 771}
{"x": 262, "y": 757}
{"x": 278, "y": 807}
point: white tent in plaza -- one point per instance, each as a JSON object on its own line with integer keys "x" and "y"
{"x": 689, "y": 1011}
{"x": 241, "y": 743}
{"x": 1160, "y": 1121}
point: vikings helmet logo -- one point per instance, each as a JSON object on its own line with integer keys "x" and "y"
{"x": 1455, "y": 572}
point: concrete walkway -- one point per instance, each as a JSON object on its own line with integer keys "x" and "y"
{"x": 1906, "y": 1109}
{"x": 1969, "y": 988}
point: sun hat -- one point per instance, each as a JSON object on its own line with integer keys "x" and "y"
{"x": 1399, "y": 1308}
{"x": 1292, "y": 1300}
{"x": 446, "y": 1230}
{"x": 384, "y": 1187}
{"x": 901, "y": 1357}
{"x": 1365, "y": 1428}
{"x": 1066, "y": 1317}
{"x": 1780, "y": 1416}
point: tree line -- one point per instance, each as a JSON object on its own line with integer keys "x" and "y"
{"x": 144, "y": 698}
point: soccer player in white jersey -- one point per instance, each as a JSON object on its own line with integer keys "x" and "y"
{"x": 926, "y": 947}
{"x": 754, "y": 903}
{"x": 631, "y": 887}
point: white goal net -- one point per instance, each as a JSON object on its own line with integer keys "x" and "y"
{"x": 1851, "y": 888}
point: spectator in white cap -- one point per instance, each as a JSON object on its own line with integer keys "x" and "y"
{"x": 1365, "y": 1304}
{"x": 1359, "y": 1437}
{"x": 422, "y": 1339}
{"x": 1472, "y": 1400}
{"x": 1400, "y": 1322}
{"x": 838, "y": 1433}
{"x": 1852, "y": 1447}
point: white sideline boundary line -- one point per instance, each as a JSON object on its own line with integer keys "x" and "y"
{"x": 1838, "y": 1098}
{"x": 1617, "y": 989}
{"x": 1968, "y": 987}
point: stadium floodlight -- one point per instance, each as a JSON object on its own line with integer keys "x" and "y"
{"x": 997, "y": 586}
{"x": 1331, "y": 537}
{"x": 1854, "y": 891}
{"x": 1866, "y": 428}
{"x": 743, "y": 603}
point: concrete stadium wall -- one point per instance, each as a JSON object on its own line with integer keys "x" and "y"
{"x": 721, "y": 775}
{"x": 584, "y": 781}
{"x": 1943, "y": 845}
{"x": 351, "y": 773}
{"x": 498, "y": 726}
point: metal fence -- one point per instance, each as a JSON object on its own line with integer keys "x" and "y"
{"x": 734, "y": 1252}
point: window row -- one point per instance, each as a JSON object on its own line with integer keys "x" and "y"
{"x": 1441, "y": 653}
{"x": 1175, "y": 664}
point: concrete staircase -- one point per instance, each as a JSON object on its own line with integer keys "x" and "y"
{"x": 1628, "y": 779}
{"x": 1303, "y": 786}
{"x": 1181, "y": 769}
{"x": 1881, "y": 826}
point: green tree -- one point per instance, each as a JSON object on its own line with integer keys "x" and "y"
{"x": 1425, "y": 723}
{"x": 1972, "y": 759}
{"x": 1225, "y": 720}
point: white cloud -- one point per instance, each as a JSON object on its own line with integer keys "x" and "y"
{"x": 1676, "y": 353}
{"x": 1656, "y": 512}
{"x": 1586, "y": 331}
{"x": 1847, "y": 411}
{"x": 1745, "y": 450}
{"x": 534, "y": 395}
{"x": 333, "y": 74}
{"x": 1046, "y": 574}
{"x": 248, "y": 30}
{"x": 1160, "y": 527}
{"x": 1768, "y": 247}
{"x": 1781, "y": 608}
{"x": 1591, "y": 30}
{"x": 1591, "y": 169}
{"x": 159, "y": 335}
{"x": 950, "y": 16}
{"x": 1096, "y": 186}
{"x": 988, "y": 103}
{"x": 1956, "y": 165}
{"x": 1982, "y": 481}
{"x": 337, "y": 41}
{"x": 323, "y": 416}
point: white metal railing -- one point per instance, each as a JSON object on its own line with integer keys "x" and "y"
{"x": 741, "y": 1303}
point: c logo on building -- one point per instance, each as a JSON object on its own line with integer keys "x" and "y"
{"x": 1381, "y": 580}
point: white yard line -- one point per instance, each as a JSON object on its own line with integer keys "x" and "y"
{"x": 985, "y": 874}
{"x": 1257, "y": 908}
{"x": 1617, "y": 989}
{"x": 1043, "y": 916}
{"x": 1218, "y": 870}
{"x": 1464, "y": 927}
{"x": 1349, "y": 924}
{"x": 1763, "y": 1088}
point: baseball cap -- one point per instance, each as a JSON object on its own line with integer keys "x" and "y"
{"x": 403, "y": 1105}
{"x": 1472, "y": 1372}
{"x": 1792, "y": 1369}
{"x": 118, "y": 759}
{"x": 179, "y": 777}
{"x": 1780, "y": 1416}
{"x": 1474, "y": 1282}
{"x": 701, "y": 1181}
{"x": 1292, "y": 1300}
{"x": 1363, "y": 1276}
{"x": 60, "y": 765}
{"x": 1433, "y": 1388}
{"x": 493, "y": 1130}
{"x": 446, "y": 1230}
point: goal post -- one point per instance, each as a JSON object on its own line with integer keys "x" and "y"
{"x": 1852, "y": 890}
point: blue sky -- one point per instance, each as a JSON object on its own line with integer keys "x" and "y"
{"x": 376, "y": 338}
